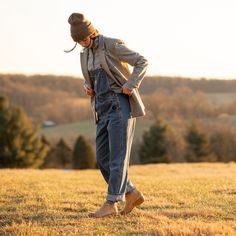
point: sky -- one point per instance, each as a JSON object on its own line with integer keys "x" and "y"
{"x": 188, "y": 38}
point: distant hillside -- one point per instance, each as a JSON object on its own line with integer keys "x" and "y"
{"x": 153, "y": 83}
{"x": 73, "y": 85}
{"x": 62, "y": 98}
{"x": 57, "y": 98}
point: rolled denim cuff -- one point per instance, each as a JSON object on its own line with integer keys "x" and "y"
{"x": 116, "y": 198}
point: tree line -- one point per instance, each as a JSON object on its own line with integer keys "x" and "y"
{"x": 150, "y": 84}
{"x": 21, "y": 147}
{"x": 187, "y": 142}
{"x": 153, "y": 83}
{"x": 187, "y": 104}
{"x": 62, "y": 99}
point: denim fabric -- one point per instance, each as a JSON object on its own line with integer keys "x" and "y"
{"x": 114, "y": 136}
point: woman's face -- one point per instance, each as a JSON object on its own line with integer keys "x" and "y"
{"x": 86, "y": 43}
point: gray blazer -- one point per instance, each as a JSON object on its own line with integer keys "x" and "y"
{"x": 114, "y": 57}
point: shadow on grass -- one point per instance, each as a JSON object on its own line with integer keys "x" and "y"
{"x": 44, "y": 218}
{"x": 225, "y": 191}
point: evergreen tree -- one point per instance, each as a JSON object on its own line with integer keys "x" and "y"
{"x": 154, "y": 148}
{"x": 60, "y": 156}
{"x": 198, "y": 144}
{"x": 45, "y": 141}
{"x": 47, "y": 144}
{"x": 19, "y": 144}
{"x": 223, "y": 143}
{"x": 83, "y": 154}
{"x": 64, "y": 153}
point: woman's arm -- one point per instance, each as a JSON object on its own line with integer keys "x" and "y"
{"x": 134, "y": 59}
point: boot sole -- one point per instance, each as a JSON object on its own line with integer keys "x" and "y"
{"x": 138, "y": 202}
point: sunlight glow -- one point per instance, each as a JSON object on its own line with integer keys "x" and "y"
{"x": 179, "y": 38}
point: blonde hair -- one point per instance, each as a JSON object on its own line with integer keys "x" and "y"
{"x": 95, "y": 34}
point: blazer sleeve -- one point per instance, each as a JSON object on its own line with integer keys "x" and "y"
{"x": 134, "y": 59}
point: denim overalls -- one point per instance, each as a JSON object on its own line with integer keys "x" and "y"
{"x": 114, "y": 135}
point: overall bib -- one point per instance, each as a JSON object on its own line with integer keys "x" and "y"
{"x": 114, "y": 135}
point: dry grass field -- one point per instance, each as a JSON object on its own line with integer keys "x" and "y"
{"x": 181, "y": 199}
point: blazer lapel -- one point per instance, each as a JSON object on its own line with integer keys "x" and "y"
{"x": 102, "y": 58}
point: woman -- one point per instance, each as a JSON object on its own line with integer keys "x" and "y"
{"x": 116, "y": 104}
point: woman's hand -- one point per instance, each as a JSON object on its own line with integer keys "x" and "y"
{"x": 89, "y": 91}
{"x": 126, "y": 90}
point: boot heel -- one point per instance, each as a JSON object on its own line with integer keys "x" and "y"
{"x": 139, "y": 201}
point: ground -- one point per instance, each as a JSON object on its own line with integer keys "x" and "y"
{"x": 181, "y": 199}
